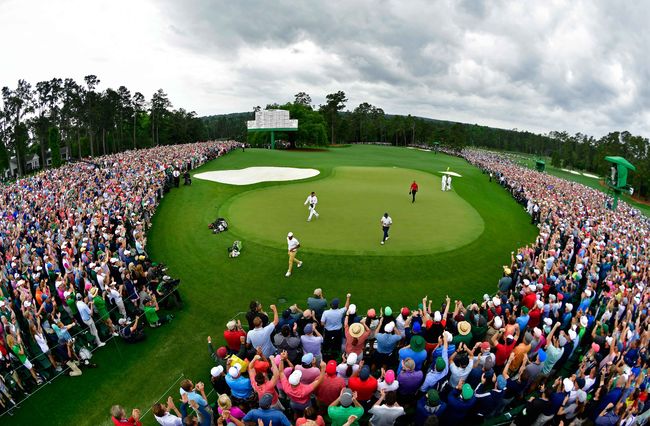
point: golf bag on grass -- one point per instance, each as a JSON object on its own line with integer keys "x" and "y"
{"x": 218, "y": 226}
{"x": 235, "y": 250}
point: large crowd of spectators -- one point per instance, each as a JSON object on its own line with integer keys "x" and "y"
{"x": 562, "y": 339}
{"x": 74, "y": 270}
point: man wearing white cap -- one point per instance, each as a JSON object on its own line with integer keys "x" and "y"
{"x": 293, "y": 245}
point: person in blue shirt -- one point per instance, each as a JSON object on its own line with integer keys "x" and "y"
{"x": 240, "y": 386}
{"x": 429, "y": 405}
{"x": 459, "y": 403}
{"x": 522, "y": 320}
{"x": 267, "y": 414}
{"x": 415, "y": 351}
{"x": 386, "y": 343}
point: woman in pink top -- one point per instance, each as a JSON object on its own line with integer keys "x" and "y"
{"x": 355, "y": 337}
{"x": 224, "y": 403}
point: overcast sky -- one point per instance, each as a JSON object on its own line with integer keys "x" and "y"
{"x": 541, "y": 66}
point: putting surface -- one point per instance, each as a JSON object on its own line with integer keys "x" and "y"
{"x": 351, "y": 202}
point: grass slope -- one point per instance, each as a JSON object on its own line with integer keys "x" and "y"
{"x": 351, "y": 201}
{"x": 215, "y": 287}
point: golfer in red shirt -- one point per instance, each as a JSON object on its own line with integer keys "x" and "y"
{"x": 413, "y": 190}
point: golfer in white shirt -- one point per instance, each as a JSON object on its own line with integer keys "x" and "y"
{"x": 443, "y": 185}
{"x": 312, "y": 200}
{"x": 386, "y": 222}
{"x": 293, "y": 245}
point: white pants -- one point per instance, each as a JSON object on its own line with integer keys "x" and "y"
{"x": 444, "y": 184}
{"x": 120, "y": 307}
{"x": 312, "y": 212}
{"x": 93, "y": 330}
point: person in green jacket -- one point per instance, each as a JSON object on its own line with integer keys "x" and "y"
{"x": 345, "y": 410}
{"x": 100, "y": 308}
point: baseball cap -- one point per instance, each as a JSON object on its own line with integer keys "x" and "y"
{"x": 266, "y": 400}
{"x": 389, "y": 327}
{"x": 388, "y": 311}
{"x": 364, "y": 373}
{"x": 542, "y": 355}
{"x": 309, "y": 329}
{"x": 234, "y": 371}
{"x": 222, "y": 352}
{"x": 352, "y": 359}
{"x": 346, "y": 398}
{"x": 290, "y": 234}
{"x": 307, "y": 358}
{"x": 330, "y": 369}
{"x": 216, "y": 371}
{"x": 467, "y": 392}
{"x": 294, "y": 378}
{"x": 433, "y": 398}
{"x": 389, "y": 377}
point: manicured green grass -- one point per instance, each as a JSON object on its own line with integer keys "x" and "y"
{"x": 351, "y": 201}
{"x": 215, "y": 287}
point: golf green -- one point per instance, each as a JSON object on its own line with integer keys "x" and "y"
{"x": 351, "y": 202}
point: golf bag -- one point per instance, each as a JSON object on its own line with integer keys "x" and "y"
{"x": 218, "y": 226}
{"x": 235, "y": 250}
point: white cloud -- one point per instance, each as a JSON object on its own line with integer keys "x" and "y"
{"x": 574, "y": 65}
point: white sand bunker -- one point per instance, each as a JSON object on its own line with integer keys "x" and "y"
{"x": 251, "y": 175}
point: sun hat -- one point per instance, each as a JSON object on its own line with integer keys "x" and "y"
{"x": 346, "y": 398}
{"x": 584, "y": 321}
{"x": 93, "y": 291}
{"x": 467, "y": 392}
{"x": 433, "y": 398}
{"x": 266, "y": 400}
{"x": 417, "y": 343}
{"x": 388, "y": 311}
{"x": 352, "y": 359}
{"x": 389, "y": 377}
{"x": 216, "y": 371}
{"x": 307, "y": 358}
{"x": 294, "y": 378}
{"x": 356, "y": 330}
{"x": 464, "y": 328}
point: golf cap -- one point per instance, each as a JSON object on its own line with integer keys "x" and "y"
{"x": 290, "y": 234}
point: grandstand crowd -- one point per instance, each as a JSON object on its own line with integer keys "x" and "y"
{"x": 562, "y": 340}
{"x": 73, "y": 261}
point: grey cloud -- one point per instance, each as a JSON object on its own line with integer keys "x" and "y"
{"x": 526, "y": 65}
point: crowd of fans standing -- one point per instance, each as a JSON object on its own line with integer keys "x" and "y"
{"x": 74, "y": 270}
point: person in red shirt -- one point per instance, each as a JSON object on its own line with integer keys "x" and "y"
{"x": 261, "y": 385}
{"x": 233, "y": 335}
{"x": 503, "y": 349}
{"x": 118, "y": 416}
{"x": 363, "y": 383}
{"x": 530, "y": 299}
{"x": 535, "y": 314}
{"x": 331, "y": 387}
{"x": 413, "y": 190}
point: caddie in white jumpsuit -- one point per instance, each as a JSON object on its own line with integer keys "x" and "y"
{"x": 312, "y": 200}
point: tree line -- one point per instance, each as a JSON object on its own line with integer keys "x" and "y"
{"x": 56, "y": 114}
{"x": 332, "y": 123}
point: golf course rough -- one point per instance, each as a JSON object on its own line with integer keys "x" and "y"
{"x": 351, "y": 201}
